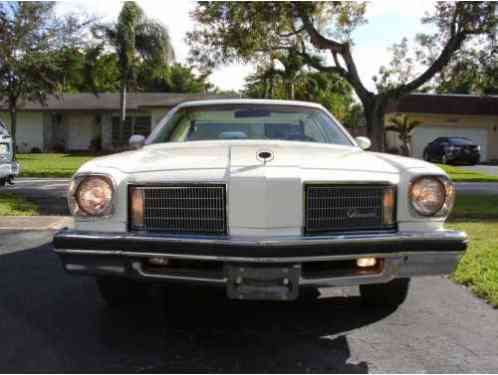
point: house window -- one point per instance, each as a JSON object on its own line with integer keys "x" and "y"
{"x": 133, "y": 125}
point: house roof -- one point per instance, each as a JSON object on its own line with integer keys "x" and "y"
{"x": 109, "y": 101}
{"x": 452, "y": 104}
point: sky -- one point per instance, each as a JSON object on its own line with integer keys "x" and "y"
{"x": 389, "y": 22}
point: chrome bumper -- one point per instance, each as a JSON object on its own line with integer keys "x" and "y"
{"x": 9, "y": 169}
{"x": 404, "y": 254}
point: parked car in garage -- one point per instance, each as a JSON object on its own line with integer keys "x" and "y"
{"x": 9, "y": 168}
{"x": 452, "y": 150}
{"x": 263, "y": 198}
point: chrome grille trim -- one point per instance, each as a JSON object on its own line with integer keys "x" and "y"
{"x": 184, "y": 208}
{"x": 345, "y": 208}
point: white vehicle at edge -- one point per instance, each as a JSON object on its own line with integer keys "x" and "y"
{"x": 9, "y": 168}
{"x": 261, "y": 197}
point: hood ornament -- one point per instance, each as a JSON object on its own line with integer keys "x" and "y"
{"x": 264, "y": 156}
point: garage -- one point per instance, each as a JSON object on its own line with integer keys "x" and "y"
{"x": 423, "y": 135}
{"x": 447, "y": 115}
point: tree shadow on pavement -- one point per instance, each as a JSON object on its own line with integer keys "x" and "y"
{"x": 54, "y": 322}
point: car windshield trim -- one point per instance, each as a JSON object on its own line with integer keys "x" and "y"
{"x": 250, "y": 121}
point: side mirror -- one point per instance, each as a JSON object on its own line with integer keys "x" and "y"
{"x": 363, "y": 142}
{"x": 136, "y": 141}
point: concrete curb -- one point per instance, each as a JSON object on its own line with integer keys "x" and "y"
{"x": 35, "y": 222}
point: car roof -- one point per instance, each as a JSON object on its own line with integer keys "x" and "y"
{"x": 198, "y": 103}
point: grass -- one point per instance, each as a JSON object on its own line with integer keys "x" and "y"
{"x": 478, "y": 216}
{"x": 475, "y": 207}
{"x": 50, "y": 165}
{"x": 14, "y": 205}
{"x": 463, "y": 175}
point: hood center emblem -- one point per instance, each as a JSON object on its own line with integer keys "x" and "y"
{"x": 264, "y": 156}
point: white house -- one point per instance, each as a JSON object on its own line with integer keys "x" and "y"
{"x": 75, "y": 121}
{"x": 470, "y": 116}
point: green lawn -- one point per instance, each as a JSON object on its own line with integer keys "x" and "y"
{"x": 50, "y": 165}
{"x": 458, "y": 174}
{"x": 475, "y": 207}
{"x": 14, "y": 205}
{"x": 478, "y": 269}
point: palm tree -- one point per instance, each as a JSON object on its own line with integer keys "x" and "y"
{"x": 404, "y": 127}
{"x": 134, "y": 38}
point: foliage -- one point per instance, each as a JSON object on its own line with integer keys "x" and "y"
{"x": 32, "y": 58}
{"x": 14, "y": 205}
{"x": 103, "y": 76}
{"x": 354, "y": 116}
{"x": 402, "y": 125}
{"x": 51, "y": 165}
{"x": 325, "y": 88}
{"x": 134, "y": 39}
{"x": 171, "y": 78}
{"x": 321, "y": 32}
{"x": 474, "y": 71}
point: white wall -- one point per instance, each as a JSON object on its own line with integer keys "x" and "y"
{"x": 81, "y": 130}
{"x": 29, "y": 132}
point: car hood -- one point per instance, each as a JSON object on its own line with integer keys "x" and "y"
{"x": 232, "y": 154}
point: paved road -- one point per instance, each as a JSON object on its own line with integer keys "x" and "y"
{"x": 486, "y": 169}
{"x": 53, "y": 322}
{"x": 477, "y": 188}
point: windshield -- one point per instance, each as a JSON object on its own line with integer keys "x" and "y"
{"x": 461, "y": 141}
{"x": 251, "y": 122}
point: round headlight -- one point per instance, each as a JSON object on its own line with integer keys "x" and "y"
{"x": 94, "y": 196}
{"x": 428, "y": 195}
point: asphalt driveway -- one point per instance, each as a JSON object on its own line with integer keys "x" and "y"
{"x": 54, "y": 322}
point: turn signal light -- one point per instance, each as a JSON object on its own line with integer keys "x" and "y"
{"x": 366, "y": 262}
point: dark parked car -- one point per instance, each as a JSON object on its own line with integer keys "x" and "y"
{"x": 452, "y": 150}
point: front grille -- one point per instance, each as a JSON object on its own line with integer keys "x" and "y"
{"x": 185, "y": 209}
{"x": 336, "y": 208}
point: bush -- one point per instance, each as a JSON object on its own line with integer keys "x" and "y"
{"x": 36, "y": 150}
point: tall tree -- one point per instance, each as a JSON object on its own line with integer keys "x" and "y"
{"x": 322, "y": 32}
{"x": 31, "y": 63}
{"x": 134, "y": 38}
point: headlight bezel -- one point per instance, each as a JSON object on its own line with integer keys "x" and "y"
{"x": 447, "y": 203}
{"x": 73, "y": 198}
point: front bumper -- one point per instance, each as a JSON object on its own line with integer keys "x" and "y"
{"x": 9, "y": 169}
{"x": 403, "y": 254}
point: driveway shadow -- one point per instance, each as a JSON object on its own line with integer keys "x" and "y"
{"x": 53, "y": 322}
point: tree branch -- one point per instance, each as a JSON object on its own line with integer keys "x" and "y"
{"x": 344, "y": 49}
{"x": 444, "y": 57}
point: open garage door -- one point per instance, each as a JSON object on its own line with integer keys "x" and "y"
{"x": 423, "y": 135}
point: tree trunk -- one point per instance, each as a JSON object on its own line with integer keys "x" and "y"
{"x": 290, "y": 92}
{"x": 13, "y": 127}
{"x": 122, "y": 104}
{"x": 374, "y": 114}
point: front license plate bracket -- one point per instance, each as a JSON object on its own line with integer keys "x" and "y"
{"x": 262, "y": 282}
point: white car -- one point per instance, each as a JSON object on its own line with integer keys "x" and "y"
{"x": 261, "y": 197}
{"x": 9, "y": 168}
